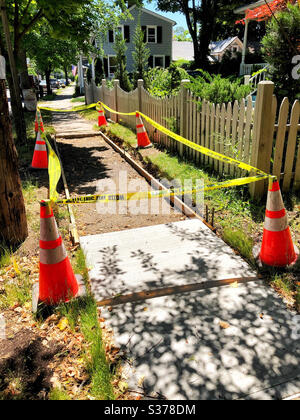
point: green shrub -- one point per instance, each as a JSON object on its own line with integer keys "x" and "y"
{"x": 279, "y": 53}
{"x": 218, "y": 90}
{"x": 164, "y": 82}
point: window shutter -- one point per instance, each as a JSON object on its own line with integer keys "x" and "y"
{"x": 144, "y": 29}
{"x": 150, "y": 61}
{"x": 159, "y": 35}
{"x": 127, "y": 33}
{"x": 111, "y": 36}
{"x": 105, "y": 64}
{"x": 167, "y": 61}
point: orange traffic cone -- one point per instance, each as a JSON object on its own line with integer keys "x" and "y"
{"x": 40, "y": 156}
{"x": 39, "y": 121}
{"x": 101, "y": 119}
{"x": 57, "y": 280}
{"x": 142, "y": 136}
{"x": 36, "y": 123}
{"x": 277, "y": 248}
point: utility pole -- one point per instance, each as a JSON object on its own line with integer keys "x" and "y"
{"x": 13, "y": 222}
{"x": 20, "y": 124}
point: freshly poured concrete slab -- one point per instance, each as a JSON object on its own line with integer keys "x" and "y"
{"x": 223, "y": 343}
{"x": 144, "y": 259}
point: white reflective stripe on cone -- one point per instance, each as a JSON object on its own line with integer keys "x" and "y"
{"x": 276, "y": 225}
{"x": 140, "y": 130}
{"x": 49, "y": 230}
{"x": 53, "y": 256}
{"x": 40, "y": 148}
{"x": 275, "y": 202}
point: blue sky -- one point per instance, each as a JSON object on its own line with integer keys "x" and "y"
{"x": 177, "y": 17}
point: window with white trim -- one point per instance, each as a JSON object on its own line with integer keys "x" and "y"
{"x": 112, "y": 65}
{"x": 159, "y": 61}
{"x": 119, "y": 29}
{"x": 152, "y": 34}
{"x": 112, "y": 33}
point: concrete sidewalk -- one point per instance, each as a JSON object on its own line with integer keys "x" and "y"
{"x": 223, "y": 343}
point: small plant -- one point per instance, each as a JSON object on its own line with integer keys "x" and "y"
{"x": 4, "y": 256}
{"x": 140, "y": 57}
{"x": 57, "y": 394}
{"x": 164, "y": 82}
{"x": 121, "y": 73}
{"x": 16, "y": 291}
{"x": 219, "y": 90}
{"x": 240, "y": 241}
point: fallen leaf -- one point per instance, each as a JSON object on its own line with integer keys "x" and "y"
{"x": 141, "y": 381}
{"x": 16, "y": 267}
{"x": 123, "y": 386}
{"x": 63, "y": 323}
{"x": 224, "y": 325}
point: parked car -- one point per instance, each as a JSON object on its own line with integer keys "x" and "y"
{"x": 55, "y": 84}
{"x": 43, "y": 84}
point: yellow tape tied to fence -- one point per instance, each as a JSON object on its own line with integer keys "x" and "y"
{"x": 55, "y": 167}
{"x": 76, "y": 109}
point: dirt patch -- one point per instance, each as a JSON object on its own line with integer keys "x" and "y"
{"x": 92, "y": 166}
{"x": 24, "y": 366}
{"x": 24, "y": 361}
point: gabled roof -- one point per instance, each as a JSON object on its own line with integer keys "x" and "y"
{"x": 185, "y": 50}
{"x": 154, "y": 14}
{"x": 219, "y": 46}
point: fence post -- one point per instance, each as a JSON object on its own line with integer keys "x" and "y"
{"x": 116, "y": 84}
{"x": 93, "y": 87}
{"x": 103, "y": 85}
{"x": 247, "y": 80}
{"x": 263, "y": 135}
{"x": 183, "y": 113}
{"x": 140, "y": 85}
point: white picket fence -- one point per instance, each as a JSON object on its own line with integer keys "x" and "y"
{"x": 251, "y": 133}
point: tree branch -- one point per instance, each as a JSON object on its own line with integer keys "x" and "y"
{"x": 25, "y": 11}
{"x": 38, "y": 16}
{"x": 16, "y": 23}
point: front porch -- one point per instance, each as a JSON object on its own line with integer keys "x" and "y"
{"x": 248, "y": 69}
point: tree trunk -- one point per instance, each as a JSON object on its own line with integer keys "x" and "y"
{"x": 23, "y": 70}
{"x": 207, "y": 15}
{"x": 48, "y": 74}
{"x": 13, "y": 222}
{"x": 17, "y": 111}
{"x": 66, "y": 76}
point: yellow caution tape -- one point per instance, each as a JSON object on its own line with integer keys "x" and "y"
{"x": 55, "y": 168}
{"x": 139, "y": 195}
{"x": 76, "y": 109}
{"x": 186, "y": 142}
{"x": 101, "y": 105}
{"x": 105, "y": 198}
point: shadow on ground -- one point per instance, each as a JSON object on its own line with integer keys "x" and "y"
{"x": 229, "y": 342}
